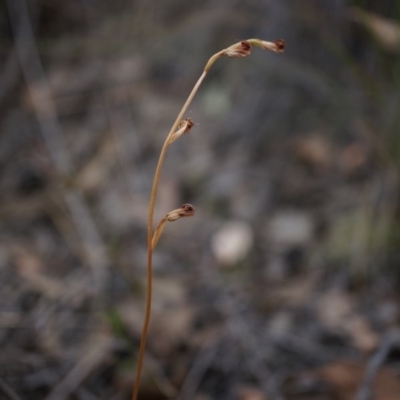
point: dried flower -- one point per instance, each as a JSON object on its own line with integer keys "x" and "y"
{"x": 278, "y": 46}
{"x": 184, "y": 127}
{"x": 241, "y": 49}
{"x": 186, "y": 210}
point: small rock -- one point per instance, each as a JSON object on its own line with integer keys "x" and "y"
{"x": 232, "y": 242}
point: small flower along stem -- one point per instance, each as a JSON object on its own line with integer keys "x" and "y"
{"x": 187, "y": 210}
{"x": 237, "y": 50}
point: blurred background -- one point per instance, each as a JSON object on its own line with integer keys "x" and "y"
{"x": 285, "y": 284}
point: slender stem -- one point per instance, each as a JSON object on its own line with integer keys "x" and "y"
{"x": 150, "y": 223}
{"x": 240, "y": 49}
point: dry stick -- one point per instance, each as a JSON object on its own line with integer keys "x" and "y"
{"x": 240, "y": 49}
{"x": 44, "y": 107}
{"x": 197, "y": 370}
{"x": 9, "y": 75}
{"x": 391, "y": 341}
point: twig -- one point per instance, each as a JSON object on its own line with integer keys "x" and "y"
{"x": 84, "y": 367}
{"x": 197, "y": 371}
{"x": 378, "y": 359}
{"x": 95, "y": 249}
{"x": 34, "y": 75}
{"x": 52, "y": 134}
{"x": 9, "y": 75}
{"x": 159, "y": 377}
{"x": 118, "y": 128}
{"x": 239, "y": 329}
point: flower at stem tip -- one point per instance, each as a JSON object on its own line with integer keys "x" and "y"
{"x": 243, "y": 48}
{"x": 278, "y": 46}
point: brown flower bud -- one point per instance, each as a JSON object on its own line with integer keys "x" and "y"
{"x": 186, "y": 210}
{"x": 241, "y": 49}
{"x": 184, "y": 127}
{"x": 278, "y": 46}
